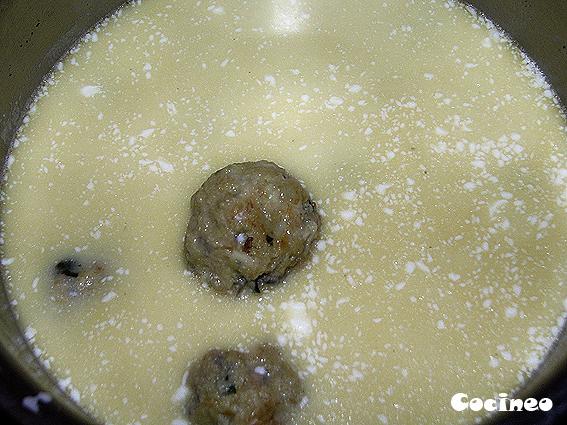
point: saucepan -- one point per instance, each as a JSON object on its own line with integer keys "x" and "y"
{"x": 34, "y": 34}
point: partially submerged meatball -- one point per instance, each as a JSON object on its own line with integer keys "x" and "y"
{"x": 73, "y": 278}
{"x": 250, "y": 224}
{"x": 234, "y": 388}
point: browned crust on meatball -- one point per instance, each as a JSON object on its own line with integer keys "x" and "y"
{"x": 250, "y": 224}
{"x": 236, "y": 388}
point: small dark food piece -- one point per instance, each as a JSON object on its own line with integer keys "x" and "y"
{"x": 234, "y": 388}
{"x": 73, "y": 278}
{"x": 250, "y": 224}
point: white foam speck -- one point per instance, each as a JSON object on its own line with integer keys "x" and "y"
{"x": 454, "y": 277}
{"x": 368, "y": 131}
{"x": 75, "y": 395}
{"x": 147, "y": 132}
{"x": 383, "y": 419}
{"x": 441, "y": 324}
{"x": 441, "y": 131}
{"x": 298, "y": 318}
{"x": 282, "y": 340}
{"x": 493, "y": 362}
{"x": 32, "y": 402}
{"x": 109, "y": 296}
{"x": 348, "y": 214}
{"x": 410, "y": 267}
{"x": 230, "y": 133}
{"x": 495, "y": 207}
{"x": 64, "y": 383}
{"x": 270, "y": 79}
{"x": 422, "y": 267}
{"x": 389, "y": 211}
{"x": 354, "y": 88}
{"x": 90, "y": 91}
{"x": 180, "y": 394}
{"x": 165, "y": 166}
{"x": 7, "y": 261}
{"x": 382, "y": 188}
{"x": 511, "y": 312}
{"x": 333, "y": 102}
{"x": 260, "y": 370}
{"x": 469, "y": 186}
{"x": 321, "y": 245}
{"x": 349, "y": 196}
{"x": 356, "y": 375}
{"x": 171, "y": 108}
{"x": 29, "y": 333}
{"x": 217, "y": 10}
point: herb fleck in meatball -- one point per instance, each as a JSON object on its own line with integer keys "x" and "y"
{"x": 234, "y": 388}
{"x": 250, "y": 224}
{"x": 73, "y": 278}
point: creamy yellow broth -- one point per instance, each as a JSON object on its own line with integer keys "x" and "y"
{"x": 435, "y": 151}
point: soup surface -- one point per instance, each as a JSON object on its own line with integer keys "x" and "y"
{"x": 434, "y": 150}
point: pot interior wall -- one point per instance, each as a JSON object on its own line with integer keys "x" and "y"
{"x": 33, "y": 37}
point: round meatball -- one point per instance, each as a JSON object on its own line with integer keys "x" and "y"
{"x": 250, "y": 224}
{"x": 231, "y": 387}
{"x": 73, "y": 278}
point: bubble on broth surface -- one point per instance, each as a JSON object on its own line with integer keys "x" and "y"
{"x": 75, "y": 278}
